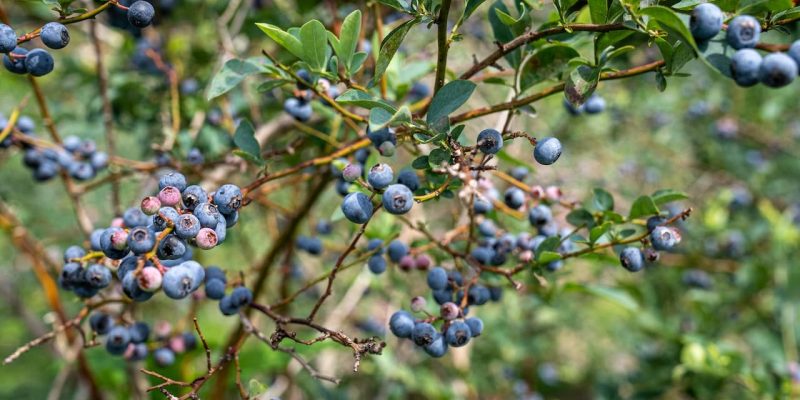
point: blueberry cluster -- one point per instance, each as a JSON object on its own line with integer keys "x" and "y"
{"x": 747, "y": 66}
{"x": 216, "y": 283}
{"x": 133, "y": 342}
{"x": 39, "y": 62}
{"x": 299, "y": 106}
{"x": 546, "y": 152}
{"x": 151, "y": 246}
{"x": 593, "y": 105}
{"x": 456, "y": 328}
{"x": 397, "y": 198}
{"x": 662, "y": 238}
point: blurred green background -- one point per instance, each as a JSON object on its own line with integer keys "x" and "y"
{"x": 654, "y": 334}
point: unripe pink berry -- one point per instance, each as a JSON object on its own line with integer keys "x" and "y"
{"x": 449, "y": 311}
{"x": 119, "y": 240}
{"x": 162, "y": 329}
{"x": 406, "y": 263}
{"x": 169, "y": 196}
{"x": 117, "y": 223}
{"x": 177, "y": 344}
{"x": 151, "y": 205}
{"x": 526, "y": 256}
{"x": 418, "y": 303}
{"x": 537, "y": 192}
{"x": 149, "y": 279}
{"x": 206, "y": 238}
{"x": 553, "y": 193}
{"x": 423, "y": 261}
{"x": 352, "y": 172}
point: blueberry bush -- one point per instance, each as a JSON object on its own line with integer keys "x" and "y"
{"x": 399, "y": 199}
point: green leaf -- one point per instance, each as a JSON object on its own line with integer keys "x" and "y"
{"x": 502, "y": 33}
{"x": 580, "y": 217}
{"x": 602, "y": 200}
{"x": 687, "y": 5}
{"x": 401, "y": 5}
{"x": 244, "y": 138}
{"x": 314, "y": 39}
{"x": 420, "y": 162}
{"x": 470, "y": 8}
{"x": 271, "y": 84}
{"x": 347, "y": 43}
{"x": 598, "y": 231}
{"x": 545, "y": 257}
{"x": 598, "y": 10}
{"x": 755, "y": 7}
{"x": 364, "y": 100}
{"x": 379, "y": 118}
{"x": 667, "y": 196}
{"x": 448, "y": 99}
{"x": 642, "y": 207}
{"x": 549, "y": 244}
{"x": 548, "y": 62}
{"x": 283, "y": 38}
{"x": 612, "y": 294}
{"x": 357, "y": 61}
{"x": 389, "y": 47}
{"x": 671, "y": 22}
{"x": 438, "y": 156}
{"x": 231, "y": 74}
{"x": 581, "y": 84}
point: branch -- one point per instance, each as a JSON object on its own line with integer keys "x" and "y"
{"x": 444, "y": 45}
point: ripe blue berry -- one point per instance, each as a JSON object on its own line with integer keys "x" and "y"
{"x": 437, "y": 278}
{"x": 178, "y": 282}
{"x": 438, "y": 346}
{"x": 594, "y": 104}
{"x": 423, "y": 334}
{"x": 312, "y": 245}
{"x": 298, "y": 109}
{"x": 117, "y": 340}
{"x": 231, "y": 219}
{"x": 540, "y": 215}
{"x": 8, "y": 38}
{"x": 380, "y": 176}
{"x": 490, "y": 141}
{"x": 743, "y": 32}
{"x": 73, "y": 252}
{"x": 241, "y": 296}
{"x": 305, "y": 78}
{"x": 141, "y": 240}
{"x": 571, "y": 109}
{"x": 547, "y": 151}
{"x": 207, "y": 214}
{"x": 357, "y": 207}
{"x": 401, "y": 324}
{"x": 475, "y": 326}
{"x": 382, "y": 135}
{"x": 163, "y": 356}
{"x": 519, "y": 173}
{"x": 478, "y": 295}
{"x": 139, "y": 332}
{"x": 324, "y": 227}
{"x": 377, "y": 264}
{"x": 487, "y": 228}
{"x": 514, "y": 197}
{"x": 164, "y": 217}
{"x": 483, "y": 255}
{"x": 745, "y": 65}
{"x": 55, "y": 35}
{"x": 481, "y": 205}
{"x": 101, "y": 323}
{"x": 39, "y": 62}
{"x": 187, "y": 226}
{"x": 141, "y": 13}
{"x": 175, "y": 179}
{"x": 458, "y": 334}
{"x": 97, "y": 276}
{"x": 396, "y": 250}
{"x": 632, "y": 259}
{"x": 777, "y": 70}
{"x": 195, "y": 156}
{"x": 228, "y": 198}
{"x": 193, "y": 196}
{"x": 397, "y": 199}
{"x": 705, "y": 22}
{"x": 215, "y": 273}
{"x": 171, "y": 248}
{"x": 794, "y": 51}
{"x": 696, "y": 278}
{"x": 17, "y": 64}
{"x": 215, "y": 289}
{"x": 665, "y": 238}
{"x": 375, "y": 244}
{"x": 108, "y": 247}
{"x": 408, "y": 178}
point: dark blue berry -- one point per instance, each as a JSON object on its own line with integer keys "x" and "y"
{"x": 101, "y": 323}
{"x": 490, "y": 141}
{"x": 397, "y": 199}
{"x": 17, "y": 64}
{"x": 401, "y": 324}
{"x": 632, "y": 259}
{"x": 228, "y": 198}
{"x": 141, "y": 13}
{"x": 215, "y": 289}
{"x": 39, "y": 62}
{"x": 547, "y": 151}
{"x": 743, "y": 32}
{"x": 437, "y": 278}
{"x": 408, "y": 178}
{"x": 55, "y": 35}
{"x": 458, "y": 334}
{"x": 705, "y": 22}
{"x": 777, "y": 70}
{"x": 8, "y": 38}
{"x": 357, "y": 207}
{"x": 377, "y": 264}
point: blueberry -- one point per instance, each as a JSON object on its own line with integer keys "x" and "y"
{"x": 357, "y": 207}
{"x": 423, "y": 334}
{"x": 554, "y": 265}
{"x": 98, "y": 161}
{"x": 380, "y": 176}
{"x": 8, "y": 38}
{"x": 514, "y": 197}
{"x": 397, "y": 199}
{"x": 632, "y": 259}
{"x": 137, "y": 352}
{"x": 482, "y": 255}
{"x": 215, "y": 289}
{"x": 323, "y": 227}
{"x": 39, "y": 62}
{"x": 141, "y": 240}
{"x": 215, "y": 273}
{"x": 195, "y": 156}
{"x": 547, "y": 150}
{"x": 197, "y": 271}
{"x": 540, "y": 215}
{"x": 361, "y": 155}
{"x": 401, "y": 324}
{"x": 475, "y": 326}
{"x": 478, "y": 295}
{"x": 305, "y": 77}
{"x": 298, "y": 109}
{"x": 490, "y": 141}
{"x": 107, "y": 246}
{"x": 187, "y": 226}
{"x": 382, "y": 135}
{"x": 97, "y": 276}
{"x": 171, "y": 248}
{"x": 231, "y": 219}
{"x": 665, "y": 238}
{"x": 175, "y": 179}
{"x": 192, "y": 196}
{"x": 408, "y": 178}
{"x": 189, "y": 340}
{"x": 81, "y": 171}
{"x": 352, "y": 172}
{"x": 46, "y": 171}
{"x": 377, "y": 264}
{"x": 594, "y": 104}
{"x": 149, "y": 279}
{"x": 794, "y": 51}
{"x": 571, "y": 109}
{"x": 131, "y": 288}
{"x": 418, "y": 91}
{"x": 487, "y": 228}
{"x": 745, "y": 65}
{"x": 481, "y": 205}
{"x": 228, "y": 198}
{"x": 437, "y": 278}
{"x": 437, "y": 347}
{"x": 208, "y": 215}
{"x": 458, "y": 334}
{"x": 163, "y": 356}
{"x": 178, "y": 282}
{"x": 777, "y": 70}
{"x": 164, "y": 216}
{"x": 117, "y": 340}
{"x": 139, "y": 332}
{"x": 699, "y": 279}
{"x": 221, "y": 230}
{"x": 101, "y": 323}
{"x": 73, "y": 252}
{"x": 519, "y": 173}
{"x": 375, "y": 245}
{"x": 32, "y": 157}
{"x": 705, "y": 22}
{"x": 312, "y": 245}
{"x": 397, "y": 250}
{"x": 342, "y": 187}
{"x": 655, "y": 221}
{"x": 227, "y": 307}
{"x": 140, "y": 14}
{"x": 55, "y": 35}
{"x": 241, "y": 296}
{"x": 17, "y": 64}
{"x": 743, "y": 32}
